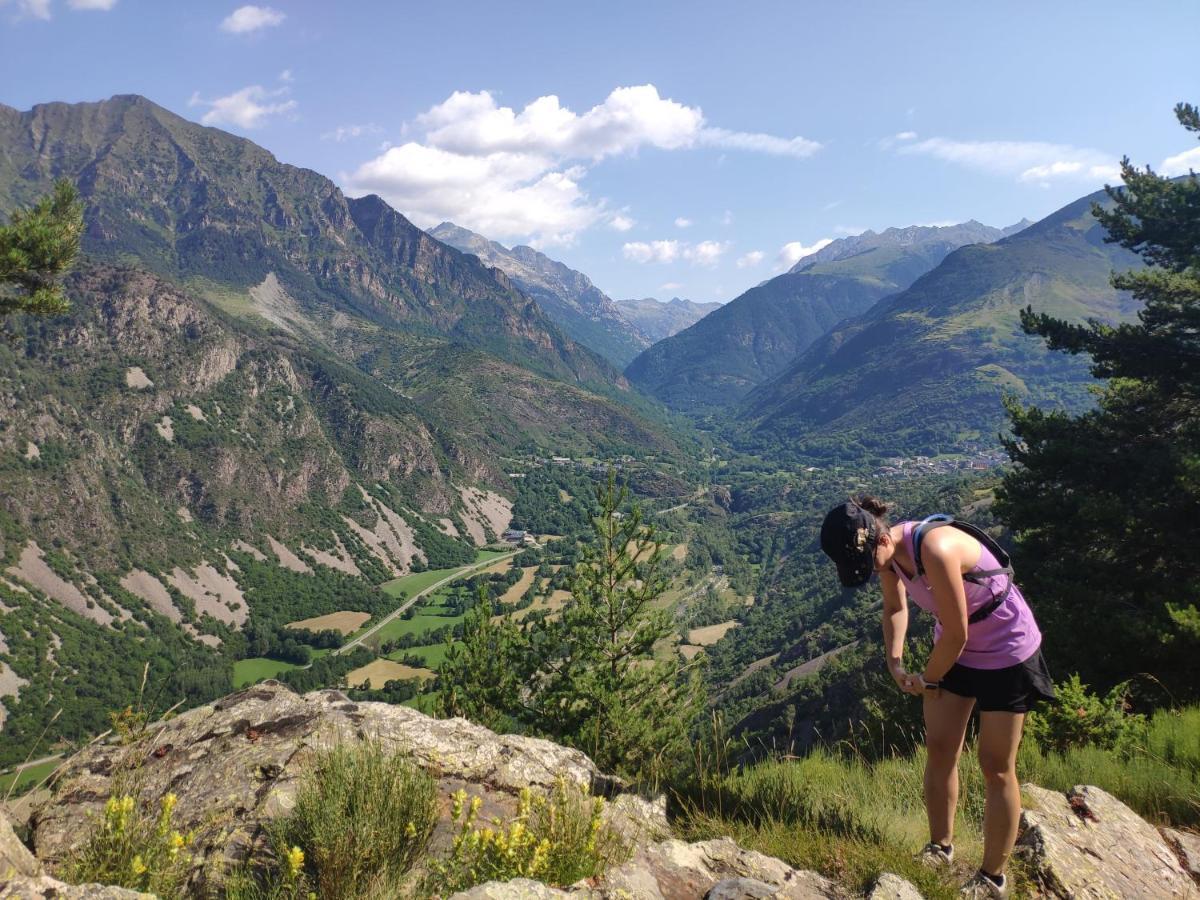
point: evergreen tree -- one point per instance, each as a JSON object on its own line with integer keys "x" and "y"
{"x": 481, "y": 678}
{"x": 602, "y": 686}
{"x": 36, "y": 247}
{"x": 592, "y": 678}
{"x": 1107, "y": 504}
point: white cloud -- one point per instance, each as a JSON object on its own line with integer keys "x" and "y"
{"x": 794, "y": 251}
{"x": 681, "y": 222}
{"x": 727, "y": 217}
{"x": 247, "y": 108}
{"x": 906, "y": 136}
{"x": 670, "y": 286}
{"x": 99, "y": 5}
{"x": 620, "y": 222}
{"x": 751, "y": 259}
{"x": 286, "y": 76}
{"x": 1029, "y": 161}
{"x": 245, "y": 19}
{"x": 759, "y": 143}
{"x": 705, "y": 253}
{"x": 345, "y": 133}
{"x": 651, "y": 251}
{"x": 1181, "y": 163}
{"x": 517, "y": 173}
{"x": 848, "y": 230}
{"x": 31, "y": 9}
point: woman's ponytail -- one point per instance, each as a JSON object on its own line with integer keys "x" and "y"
{"x": 873, "y": 505}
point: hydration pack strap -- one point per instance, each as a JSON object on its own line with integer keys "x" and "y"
{"x": 975, "y": 577}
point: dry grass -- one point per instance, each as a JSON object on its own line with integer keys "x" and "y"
{"x": 514, "y": 593}
{"x": 710, "y": 634}
{"x": 345, "y": 621}
{"x": 378, "y": 673}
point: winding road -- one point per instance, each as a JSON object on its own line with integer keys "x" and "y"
{"x": 400, "y": 610}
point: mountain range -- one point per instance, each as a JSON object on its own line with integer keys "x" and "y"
{"x": 658, "y": 319}
{"x": 926, "y": 368}
{"x": 566, "y": 296}
{"x": 722, "y": 357}
{"x": 268, "y": 399}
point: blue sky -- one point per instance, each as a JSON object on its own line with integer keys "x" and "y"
{"x": 663, "y": 148}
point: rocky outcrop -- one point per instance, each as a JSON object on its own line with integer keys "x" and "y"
{"x": 15, "y": 858}
{"x": 236, "y": 764}
{"x": 893, "y": 887}
{"x": 46, "y": 888}
{"x": 674, "y": 870}
{"x": 1087, "y": 844}
{"x": 1187, "y": 848}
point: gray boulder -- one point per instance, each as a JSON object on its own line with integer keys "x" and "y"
{"x": 1187, "y": 847}
{"x": 675, "y": 870}
{"x": 237, "y": 763}
{"x": 47, "y": 888}
{"x": 1087, "y": 844}
{"x": 892, "y": 887}
{"x": 15, "y": 858}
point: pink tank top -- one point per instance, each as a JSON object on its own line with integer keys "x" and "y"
{"x": 1007, "y": 637}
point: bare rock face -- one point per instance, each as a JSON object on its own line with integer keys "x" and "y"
{"x": 237, "y": 763}
{"x": 15, "y": 858}
{"x": 892, "y": 887}
{"x": 1087, "y": 844}
{"x": 1187, "y": 848}
{"x": 47, "y": 888}
{"x": 675, "y": 870}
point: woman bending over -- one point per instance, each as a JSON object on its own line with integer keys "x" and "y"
{"x": 986, "y": 654}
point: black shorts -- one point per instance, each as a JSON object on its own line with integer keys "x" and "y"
{"x": 1013, "y": 689}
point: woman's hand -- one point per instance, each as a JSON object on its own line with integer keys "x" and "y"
{"x": 906, "y": 681}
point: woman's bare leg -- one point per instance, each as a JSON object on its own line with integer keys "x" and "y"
{"x": 946, "y": 718}
{"x": 999, "y": 738}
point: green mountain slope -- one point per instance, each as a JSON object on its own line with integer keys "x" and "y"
{"x": 925, "y": 369}
{"x": 725, "y": 355}
{"x": 568, "y": 297}
{"x": 268, "y": 400}
{"x": 192, "y": 202}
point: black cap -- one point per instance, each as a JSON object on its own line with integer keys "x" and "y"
{"x": 848, "y": 537}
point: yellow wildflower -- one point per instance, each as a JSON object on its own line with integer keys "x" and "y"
{"x": 410, "y": 830}
{"x": 456, "y": 805}
{"x": 295, "y": 861}
{"x": 137, "y": 866}
{"x": 168, "y": 804}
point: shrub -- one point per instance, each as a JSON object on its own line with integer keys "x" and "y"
{"x": 557, "y": 839}
{"x": 133, "y": 848}
{"x": 1079, "y": 718}
{"x": 363, "y": 817}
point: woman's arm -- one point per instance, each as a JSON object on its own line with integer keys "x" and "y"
{"x": 895, "y": 624}
{"x": 943, "y": 558}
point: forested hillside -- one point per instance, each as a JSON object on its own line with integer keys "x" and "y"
{"x": 725, "y": 355}
{"x": 925, "y": 370}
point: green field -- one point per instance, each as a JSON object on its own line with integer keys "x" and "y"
{"x": 26, "y": 778}
{"x": 409, "y": 585}
{"x": 432, "y": 654}
{"x": 249, "y": 671}
{"x": 418, "y": 624}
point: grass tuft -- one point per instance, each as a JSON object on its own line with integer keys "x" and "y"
{"x": 362, "y": 819}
